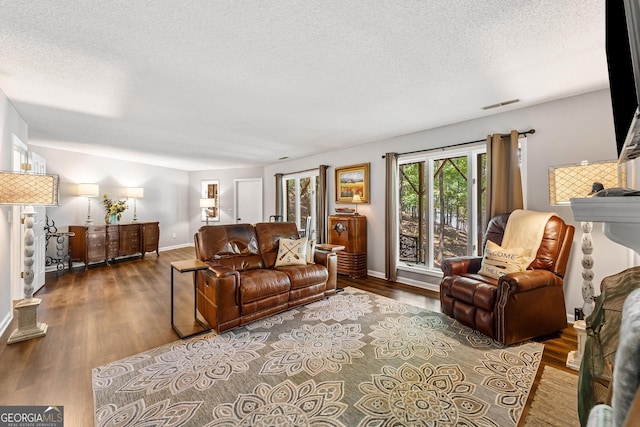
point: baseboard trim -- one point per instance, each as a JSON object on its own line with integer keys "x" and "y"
{"x": 183, "y": 245}
{"x": 54, "y": 268}
{"x": 6, "y": 321}
{"x": 406, "y": 281}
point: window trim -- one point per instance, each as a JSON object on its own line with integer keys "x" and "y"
{"x": 314, "y": 176}
{"x": 470, "y": 151}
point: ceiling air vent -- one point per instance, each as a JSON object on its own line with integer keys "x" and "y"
{"x": 500, "y": 104}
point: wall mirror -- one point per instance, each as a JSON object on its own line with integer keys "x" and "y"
{"x": 211, "y": 190}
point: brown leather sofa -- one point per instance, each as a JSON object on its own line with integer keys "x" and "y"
{"x": 242, "y": 283}
{"x": 520, "y": 305}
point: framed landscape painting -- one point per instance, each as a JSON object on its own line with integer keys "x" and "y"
{"x": 352, "y": 180}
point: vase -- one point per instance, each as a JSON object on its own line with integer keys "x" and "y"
{"x": 111, "y": 219}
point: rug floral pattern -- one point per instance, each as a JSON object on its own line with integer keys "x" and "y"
{"x": 354, "y": 359}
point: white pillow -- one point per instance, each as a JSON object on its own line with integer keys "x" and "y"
{"x": 311, "y": 249}
{"x": 292, "y": 252}
{"x": 498, "y": 261}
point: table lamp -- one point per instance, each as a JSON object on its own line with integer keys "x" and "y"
{"x": 581, "y": 180}
{"x": 135, "y": 193}
{"x": 207, "y": 203}
{"x": 88, "y": 191}
{"x": 28, "y": 190}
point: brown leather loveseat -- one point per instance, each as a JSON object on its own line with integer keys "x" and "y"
{"x": 519, "y": 305}
{"x": 242, "y": 283}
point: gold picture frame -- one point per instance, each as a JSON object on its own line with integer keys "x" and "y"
{"x": 351, "y": 180}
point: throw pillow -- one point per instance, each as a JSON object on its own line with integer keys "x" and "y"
{"x": 292, "y": 252}
{"x": 498, "y": 261}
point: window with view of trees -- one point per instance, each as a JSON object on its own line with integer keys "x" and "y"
{"x": 300, "y": 200}
{"x": 442, "y": 203}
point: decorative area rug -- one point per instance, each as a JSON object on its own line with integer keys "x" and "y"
{"x": 556, "y": 400}
{"x": 354, "y": 359}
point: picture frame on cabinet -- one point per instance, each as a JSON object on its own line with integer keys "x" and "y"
{"x": 210, "y": 190}
{"x": 352, "y": 180}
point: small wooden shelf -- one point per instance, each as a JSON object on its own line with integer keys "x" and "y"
{"x": 329, "y": 248}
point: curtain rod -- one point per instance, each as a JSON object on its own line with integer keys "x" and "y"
{"x": 530, "y": 131}
{"x": 306, "y": 170}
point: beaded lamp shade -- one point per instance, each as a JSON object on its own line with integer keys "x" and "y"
{"x": 28, "y": 189}
{"x": 576, "y": 180}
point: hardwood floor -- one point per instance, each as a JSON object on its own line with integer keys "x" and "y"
{"x": 111, "y": 312}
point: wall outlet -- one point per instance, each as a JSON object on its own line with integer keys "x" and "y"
{"x": 174, "y": 235}
{"x": 578, "y": 314}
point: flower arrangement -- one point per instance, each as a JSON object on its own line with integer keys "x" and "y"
{"x": 113, "y": 207}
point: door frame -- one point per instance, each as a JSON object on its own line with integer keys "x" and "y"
{"x": 19, "y": 155}
{"x": 236, "y": 198}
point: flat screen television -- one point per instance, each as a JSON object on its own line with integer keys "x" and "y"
{"x": 623, "y": 61}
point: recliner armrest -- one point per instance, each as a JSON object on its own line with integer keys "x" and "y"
{"x": 523, "y": 281}
{"x": 225, "y": 282}
{"x": 461, "y": 265}
{"x": 220, "y": 271}
{"x": 323, "y": 257}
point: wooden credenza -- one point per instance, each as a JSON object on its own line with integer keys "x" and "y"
{"x": 102, "y": 243}
{"x": 350, "y": 231}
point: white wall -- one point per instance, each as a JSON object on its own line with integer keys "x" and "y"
{"x": 166, "y": 192}
{"x": 10, "y": 124}
{"x": 567, "y": 131}
{"x": 171, "y": 196}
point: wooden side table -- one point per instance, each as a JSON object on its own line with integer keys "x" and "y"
{"x": 188, "y": 266}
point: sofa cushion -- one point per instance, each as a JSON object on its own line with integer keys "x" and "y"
{"x": 291, "y": 252}
{"x": 475, "y": 290}
{"x": 498, "y": 261}
{"x": 262, "y": 283}
{"x": 232, "y": 246}
{"x": 305, "y": 275}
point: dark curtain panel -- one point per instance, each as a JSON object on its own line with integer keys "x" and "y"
{"x": 279, "y": 199}
{"x": 391, "y": 217}
{"x": 504, "y": 182}
{"x": 321, "y": 232}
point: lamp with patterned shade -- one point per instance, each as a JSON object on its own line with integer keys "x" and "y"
{"x": 28, "y": 190}
{"x": 582, "y": 180}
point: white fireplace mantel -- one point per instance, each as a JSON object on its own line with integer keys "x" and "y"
{"x": 620, "y": 217}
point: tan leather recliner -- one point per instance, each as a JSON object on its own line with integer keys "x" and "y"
{"x": 520, "y": 305}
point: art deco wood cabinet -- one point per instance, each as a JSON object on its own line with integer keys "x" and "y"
{"x": 102, "y": 243}
{"x": 350, "y": 231}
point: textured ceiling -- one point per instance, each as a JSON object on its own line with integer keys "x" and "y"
{"x": 215, "y": 84}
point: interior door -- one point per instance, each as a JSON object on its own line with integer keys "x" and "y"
{"x": 38, "y": 165}
{"x": 248, "y": 200}
{"x": 19, "y": 156}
